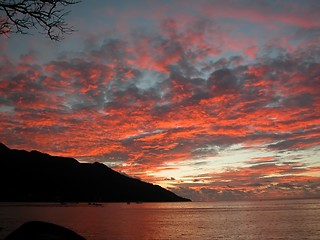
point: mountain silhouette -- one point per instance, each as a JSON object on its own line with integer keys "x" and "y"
{"x": 38, "y": 177}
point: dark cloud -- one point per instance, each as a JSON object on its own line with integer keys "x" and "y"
{"x": 150, "y": 98}
{"x": 223, "y": 81}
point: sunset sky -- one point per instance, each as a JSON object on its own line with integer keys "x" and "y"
{"x": 214, "y": 100}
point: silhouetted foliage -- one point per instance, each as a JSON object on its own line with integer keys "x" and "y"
{"x": 47, "y": 16}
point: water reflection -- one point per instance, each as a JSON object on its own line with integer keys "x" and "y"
{"x": 220, "y": 220}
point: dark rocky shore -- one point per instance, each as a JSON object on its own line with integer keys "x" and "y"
{"x": 37, "y": 230}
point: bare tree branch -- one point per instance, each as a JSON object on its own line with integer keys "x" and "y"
{"x": 47, "y": 16}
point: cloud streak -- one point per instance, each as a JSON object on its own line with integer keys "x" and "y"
{"x": 146, "y": 101}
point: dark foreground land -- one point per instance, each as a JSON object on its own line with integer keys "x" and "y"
{"x": 37, "y": 230}
{"x": 38, "y": 177}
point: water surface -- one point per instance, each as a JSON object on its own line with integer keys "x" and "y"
{"x": 289, "y": 219}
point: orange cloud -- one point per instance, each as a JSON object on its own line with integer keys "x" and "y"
{"x": 150, "y": 100}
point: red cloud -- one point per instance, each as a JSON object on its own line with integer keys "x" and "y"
{"x": 305, "y": 17}
{"x": 166, "y": 98}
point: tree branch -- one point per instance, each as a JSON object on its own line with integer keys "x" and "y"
{"x": 47, "y": 16}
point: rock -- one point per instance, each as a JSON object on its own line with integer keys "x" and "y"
{"x": 37, "y": 230}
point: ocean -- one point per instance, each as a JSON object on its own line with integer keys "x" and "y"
{"x": 256, "y": 220}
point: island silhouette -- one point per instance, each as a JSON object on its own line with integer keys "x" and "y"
{"x": 39, "y": 177}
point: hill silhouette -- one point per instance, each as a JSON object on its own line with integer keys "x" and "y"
{"x": 38, "y": 177}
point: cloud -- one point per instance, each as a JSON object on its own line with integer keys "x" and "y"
{"x": 233, "y": 104}
{"x": 266, "y": 12}
{"x": 141, "y": 101}
{"x": 265, "y": 180}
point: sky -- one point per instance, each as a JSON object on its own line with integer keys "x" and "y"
{"x": 213, "y": 100}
